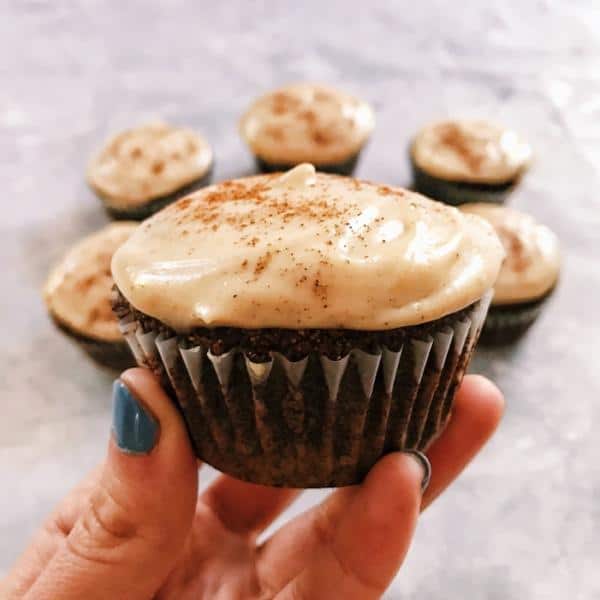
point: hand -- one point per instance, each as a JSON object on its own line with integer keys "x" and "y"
{"x": 136, "y": 528}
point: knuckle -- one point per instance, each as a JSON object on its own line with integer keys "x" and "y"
{"x": 297, "y": 592}
{"x": 324, "y": 526}
{"x": 104, "y": 527}
{"x": 359, "y": 579}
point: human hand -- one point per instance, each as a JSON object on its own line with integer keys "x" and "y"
{"x": 136, "y": 528}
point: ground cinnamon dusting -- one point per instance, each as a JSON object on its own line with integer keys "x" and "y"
{"x": 264, "y": 210}
{"x": 262, "y": 263}
{"x": 516, "y": 257}
{"x": 453, "y": 136}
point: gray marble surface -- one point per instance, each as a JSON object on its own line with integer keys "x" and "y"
{"x": 524, "y": 521}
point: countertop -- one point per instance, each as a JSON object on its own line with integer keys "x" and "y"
{"x": 524, "y": 520}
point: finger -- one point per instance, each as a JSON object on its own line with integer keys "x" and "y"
{"x": 246, "y": 508}
{"x": 360, "y": 554}
{"x": 137, "y": 518}
{"x": 47, "y": 540}
{"x": 478, "y": 408}
{"x": 286, "y": 552}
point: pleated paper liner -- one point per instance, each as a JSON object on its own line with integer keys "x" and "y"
{"x": 147, "y": 209}
{"x": 456, "y": 192}
{"x": 313, "y": 422}
{"x": 345, "y": 167}
{"x": 507, "y": 323}
{"x": 114, "y": 355}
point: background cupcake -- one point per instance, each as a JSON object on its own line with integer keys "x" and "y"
{"x": 77, "y": 295}
{"x": 307, "y": 122}
{"x": 459, "y": 161}
{"x": 332, "y": 326}
{"x": 141, "y": 170}
{"x": 529, "y": 273}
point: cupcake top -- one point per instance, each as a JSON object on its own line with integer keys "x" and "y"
{"x": 77, "y": 291}
{"x": 470, "y": 152}
{"x": 532, "y": 262}
{"x": 148, "y": 162}
{"x": 306, "y": 250}
{"x": 307, "y": 122}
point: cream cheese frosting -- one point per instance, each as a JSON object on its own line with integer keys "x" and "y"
{"x": 470, "y": 152}
{"x": 77, "y": 291}
{"x": 532, "y": 263}
{"x": 306, "y": 250}
{"x": 307, "y": 122}
{"x": 148, "y": 162}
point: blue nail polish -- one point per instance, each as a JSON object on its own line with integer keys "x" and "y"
{"x": 135, "y": 429}
{"x": 425, "y": 465}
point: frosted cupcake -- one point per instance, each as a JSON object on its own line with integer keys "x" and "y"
{"x": 459, "y": 161}
{"x": 141, "y": 170}
{"x": 307, "y": 123}
{"x": 78, "y": 296}
{"x": 307, "y": 323}
{"x": 528, "y": 276}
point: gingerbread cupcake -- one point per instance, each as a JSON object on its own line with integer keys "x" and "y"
{"x": 528, "y": 276}
{"x": 78, "y": 296}
{"x": 458, "y": 161}
{"x": 307, "y": 122}
{"x": 332, "y": 326}
{"x": 141, "y": 170}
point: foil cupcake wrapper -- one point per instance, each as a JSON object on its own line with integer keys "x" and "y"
{"x": 315, "y": 422}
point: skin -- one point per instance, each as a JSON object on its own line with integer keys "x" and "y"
{"x": 137, "y": 529}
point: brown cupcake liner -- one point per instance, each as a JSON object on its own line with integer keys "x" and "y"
{"x": 313, "y": 422}
{"x": 115, "y": 355}
{"x": 345, "y": 167}
{"x": 147, "y": 209}
{"x": 507, "y": 323}
{"x": 456, "y": 193}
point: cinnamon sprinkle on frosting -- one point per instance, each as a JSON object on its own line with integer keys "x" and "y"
{"x": 329, "y": 248}
{"x": 470, "y": 152}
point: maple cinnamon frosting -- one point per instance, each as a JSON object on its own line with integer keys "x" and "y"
{"x": 307, "y": 122}
{"x": 532, "y": 263}
{"x": 148, "y": 162}
{"x": 77, "y": 291}
{"x": 477, "y": 152}
{"x": 306, "y": 250}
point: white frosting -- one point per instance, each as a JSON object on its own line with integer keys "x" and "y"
{"x": 532, "y": 263}
{"x": 148, "y": 162}
{"x": 470, "y": 152}
{"x": 307, "y": 122}
{"x": 77, "y": 292}
{"x": 306, "y": 250}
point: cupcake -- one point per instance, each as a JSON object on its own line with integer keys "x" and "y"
{"x": 467, "y": 161}
{"x": 332, "y": 325}
{"x": 307, "y": 123}
{"x": 78, "y": 296}
{"x": 528, "y": 276}
{"x": 139, "y": 171}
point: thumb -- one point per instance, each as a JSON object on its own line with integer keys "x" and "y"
{"x": 136, "y": 521}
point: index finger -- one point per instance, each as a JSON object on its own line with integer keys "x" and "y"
{"x": 478, "y": 408}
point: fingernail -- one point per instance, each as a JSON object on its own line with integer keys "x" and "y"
{"x": 425, "y": 465}
{"x": 135, "y": 429}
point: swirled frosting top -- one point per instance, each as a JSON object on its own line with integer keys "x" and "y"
{"x": 77, "y": 291}
{"x": 470, "y": 152}
{"x": 306, "y": 250}
{"x": 532, "y": 263}
{"x": 307, "y": 122}
{"x": 150, "y": 161}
